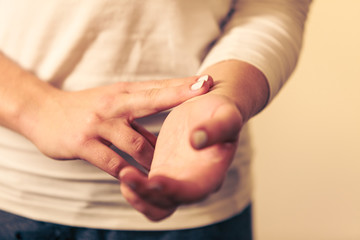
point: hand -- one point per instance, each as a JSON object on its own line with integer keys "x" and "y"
{"x": 83, "y": 124}
{"x": 194, "y": 149}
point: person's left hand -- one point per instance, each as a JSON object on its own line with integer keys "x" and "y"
{"x": 194, "y": 149}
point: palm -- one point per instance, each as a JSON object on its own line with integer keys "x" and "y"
{"x": 179, "y": 173}
{"x": 197, "y": 172}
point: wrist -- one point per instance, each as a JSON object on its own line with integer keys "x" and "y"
{"x": 242, "y": 83}
{"x": 37, "y": 99}
{"x": 22, "y": 95}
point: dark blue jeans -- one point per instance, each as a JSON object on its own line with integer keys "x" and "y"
{"x": 14, "y": 227}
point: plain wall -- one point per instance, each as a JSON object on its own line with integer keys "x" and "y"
{"x": 307, "y": 142}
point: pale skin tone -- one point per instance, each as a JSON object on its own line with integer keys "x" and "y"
{"x": 185, "y": 166}
{"x": 83, "y": 124}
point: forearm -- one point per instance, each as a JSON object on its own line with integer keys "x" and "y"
{"x": 265, "y": 34}
{"x": 242, "y": 83}
{"x": 22, "y": 95}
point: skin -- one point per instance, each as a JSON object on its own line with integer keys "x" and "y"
{"x": 183, "y": 170}
{"x": 83, "y": 124}
{"x": 181, "y": 174}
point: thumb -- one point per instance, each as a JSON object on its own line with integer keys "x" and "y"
{"x": 224, "y": 126}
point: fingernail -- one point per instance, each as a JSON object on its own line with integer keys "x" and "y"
{"x": 155, "y": 187}
{"x": 131, "y": 185}
{"x": 199, "y": 83}
{"x": 203, "y": 78}
{"x": 200, "y": 139}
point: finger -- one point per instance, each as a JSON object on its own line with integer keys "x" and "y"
{"x": 103, "y": 157}
{"x": 223, "y": 127}
{"x": 148, "y": 135}
{"x": 151, "y": 192}
{"x": 127, "y": 140}
{"x": 132, "y": 87}
{"x": 144, "y": 103}
{"x": 132, "y": 182}
{"x": 150, "y": 211}
{"x": 132, "y": 177}
{"x": 175, "y": 192}
{"x": 161, "y": 191}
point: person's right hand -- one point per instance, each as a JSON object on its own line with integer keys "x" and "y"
{"x": 83, "y": 124}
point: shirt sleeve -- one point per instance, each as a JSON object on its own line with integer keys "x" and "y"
{"x": 265, "y": 33}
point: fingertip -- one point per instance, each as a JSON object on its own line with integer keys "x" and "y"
{"x": 157, "y": 182}
{"x": 155, "y": 186}
{"x": 199, "y": 139}
{"x": 202, "y": 82}
{"x": 131, "y": 176}
{"x": 124, "y": 172}
{"x": 223, "y": 127}
{"x": 162, "y": 184}
{"x": 209, "y": 81}
{"x": 207, "y": 78}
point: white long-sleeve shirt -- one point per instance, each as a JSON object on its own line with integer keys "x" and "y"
{"x": 76, "y": 45}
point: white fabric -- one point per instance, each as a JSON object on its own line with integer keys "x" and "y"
{"x": 78, "y": 44}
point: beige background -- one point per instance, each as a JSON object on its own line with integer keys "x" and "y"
{"x": 307, "y": 166}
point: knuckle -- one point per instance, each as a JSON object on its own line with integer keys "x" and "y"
{"x": 151, "y": 94}
{"x": 81, "y": 140}
{"x": 114, "y": 166}
{"x": 92, "y": 119}
{"x": 138, "y": 144}
{"x": 86, "y": 133}
{"x": 105, "y": 103}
